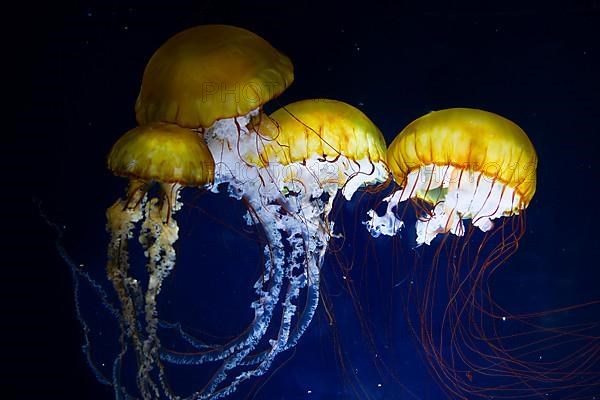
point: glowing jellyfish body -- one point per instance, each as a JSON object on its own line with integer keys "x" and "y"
{"x": 288, "y": 169}
{"x": 464, "y": 163}
{"x": 173, "y": 157}
{"x": 455, "y": 166}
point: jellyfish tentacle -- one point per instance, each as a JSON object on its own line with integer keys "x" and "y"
{"x": 268, "y": 290}
{"x": 121, "y": 219}
{"x": 158, "y": 234}
{"x": 79, "y": 275}
{"x": 238, "y": 359}
{"x": 317, "y": 246}
{"x": 264, "y": 306}
{"x": 186, "y": 336}
{"x": 309, "y": 248}
{"x": 308, "y": 239}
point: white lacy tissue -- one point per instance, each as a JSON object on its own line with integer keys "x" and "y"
{"x": 461, "y": 195}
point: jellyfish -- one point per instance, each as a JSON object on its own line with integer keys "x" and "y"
{"x": 287, "y": 168}
{"x": 170, "y": 157}
{"x": 458, "y": 166}
{"x": 470, "y": 175}
{"x": 209, "y": 73}
{"x": 466, "y": 164}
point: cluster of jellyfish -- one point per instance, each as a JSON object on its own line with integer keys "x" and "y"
{"x": 202, "y": 126}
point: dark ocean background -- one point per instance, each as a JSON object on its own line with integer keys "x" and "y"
{"x": 536, "y": 63}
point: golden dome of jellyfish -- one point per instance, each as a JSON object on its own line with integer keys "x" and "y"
{"x": 209, "y": 73}
{"x": 172, "y": 157}
{"x": 465, "y": 163}
{"x": 287, "y": 168}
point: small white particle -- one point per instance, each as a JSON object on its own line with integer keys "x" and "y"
{"x": 379, "y": 385}
{"x": 309, "y": 391}
{"x": 503, "y": 318}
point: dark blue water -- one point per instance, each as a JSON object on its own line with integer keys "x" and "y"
{"x": 535, "y": 64}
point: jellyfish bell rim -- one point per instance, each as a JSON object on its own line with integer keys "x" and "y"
{"x": 507, "y": 143}
{"x": 270, "y": 71}
{"x": 162, "y": 152}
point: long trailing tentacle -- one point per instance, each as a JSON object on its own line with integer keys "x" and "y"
{"x": 121, "y": 219}
{"x": 276, "y": 268}
{"x": 309, "y": 244}
{"x": 300, "y": 268}
{"x": 158, "y": 234}
{"x": 267, "y": 288}
{"x": 308, "y": 238}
